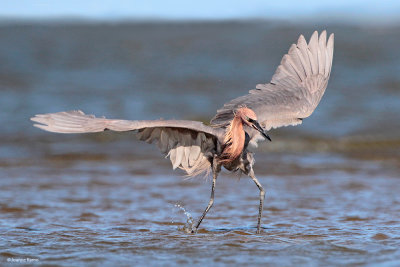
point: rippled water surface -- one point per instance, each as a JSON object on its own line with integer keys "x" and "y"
{"x": 108, "y": 199}
{"x": 107, "y": 211}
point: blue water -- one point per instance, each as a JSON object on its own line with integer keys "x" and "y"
{"x": 108, "y": 199}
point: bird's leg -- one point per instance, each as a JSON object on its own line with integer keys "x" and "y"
{"x": 216, "y": 170}
{"x": 262, "y": 196}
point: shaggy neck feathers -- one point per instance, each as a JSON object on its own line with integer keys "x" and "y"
{"x": 233, "y": 140}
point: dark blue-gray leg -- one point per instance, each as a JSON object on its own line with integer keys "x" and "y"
{"x": 262, "y": 196}
{"x": 216, "y": 170}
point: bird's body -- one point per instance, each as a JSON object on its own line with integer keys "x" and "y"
{"x": 292, "y": 95}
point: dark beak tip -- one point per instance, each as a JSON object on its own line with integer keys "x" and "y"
{"x": 269, "y": 138}
{"x": 258, "y": 127}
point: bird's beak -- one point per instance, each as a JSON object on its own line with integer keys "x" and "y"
{"x": 258, "y": 127}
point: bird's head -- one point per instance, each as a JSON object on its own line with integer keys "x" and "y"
{"x": 249, "y": 118}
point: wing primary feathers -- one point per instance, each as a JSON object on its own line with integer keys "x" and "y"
{"x": 321, "y": 52}
{"x": 313, "y": 49}
{"x": 295, "y": 88}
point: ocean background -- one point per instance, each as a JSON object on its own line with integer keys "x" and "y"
{"x": 108, "y": 199}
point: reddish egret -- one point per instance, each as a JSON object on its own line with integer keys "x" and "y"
{"x": 292, "y": 94}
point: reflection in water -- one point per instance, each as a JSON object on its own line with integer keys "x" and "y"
{"x": 105, "y": 199}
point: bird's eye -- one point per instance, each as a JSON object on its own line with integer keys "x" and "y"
{"x": 250, "y": 120}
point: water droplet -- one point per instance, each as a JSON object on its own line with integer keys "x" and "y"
{"x": 189, "y": 220}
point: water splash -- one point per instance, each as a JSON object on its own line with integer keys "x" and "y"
{"x": 189, "y": 219}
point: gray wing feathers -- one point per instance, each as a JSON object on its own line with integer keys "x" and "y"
{"x": 188, "y": 150}
{"x": 189, "y": 144}
{"x": 305, "y": 71}
{"x": 76, "y": 121}
{"x": 295, "y": 89}
{"x": 69, "y": 122}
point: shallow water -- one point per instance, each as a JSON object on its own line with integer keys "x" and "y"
{"x": 108, "y": 211}
{"x": 108, "y": 199}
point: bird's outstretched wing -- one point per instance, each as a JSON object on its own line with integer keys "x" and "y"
{"x": 188, "y": 144}
{"x": 294, "y": 90}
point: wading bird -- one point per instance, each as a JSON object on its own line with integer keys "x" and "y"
{"x": 292, "y": 94}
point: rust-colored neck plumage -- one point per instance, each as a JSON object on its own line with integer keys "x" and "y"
{"x": 234, "y": 140}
